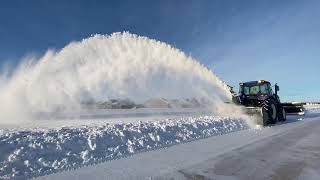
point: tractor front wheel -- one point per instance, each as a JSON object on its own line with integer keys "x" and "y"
{"x": 269, "y": 112}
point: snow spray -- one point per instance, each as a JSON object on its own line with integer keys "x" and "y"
{"x": 104, "y": 67}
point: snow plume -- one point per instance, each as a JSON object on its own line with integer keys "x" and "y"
{"x": 103, "y": 67}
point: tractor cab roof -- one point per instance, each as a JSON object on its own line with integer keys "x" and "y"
{"x": 252, "y": 83}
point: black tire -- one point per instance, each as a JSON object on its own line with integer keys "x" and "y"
{"x": 282, "y": 116}
{"x": 265, "y": 116}
{"x": 269, "y": 112}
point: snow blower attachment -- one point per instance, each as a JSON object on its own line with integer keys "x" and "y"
{"x": 295, "y": 108}
{"x": 260, "y": 101}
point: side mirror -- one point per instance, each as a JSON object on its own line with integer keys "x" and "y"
{"x": 277, "y": 87}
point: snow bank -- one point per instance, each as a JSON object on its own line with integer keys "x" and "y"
{"x": 28, "y": 153}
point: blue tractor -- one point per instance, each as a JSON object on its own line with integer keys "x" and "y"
{"x": 259, "y": 98}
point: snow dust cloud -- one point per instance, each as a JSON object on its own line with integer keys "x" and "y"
{"x": 104, "y": 67}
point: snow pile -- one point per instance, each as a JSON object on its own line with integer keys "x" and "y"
{"x": 30, "y": 153}
{"x": 102, "y": 68}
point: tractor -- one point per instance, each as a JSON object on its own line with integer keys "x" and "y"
{"x": 258, "y": 98}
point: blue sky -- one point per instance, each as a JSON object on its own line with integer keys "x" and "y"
{"x": 240, "y": 40}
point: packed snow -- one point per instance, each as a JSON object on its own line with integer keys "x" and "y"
{"x": 29, "y": 152}
{"x": 197, "y": 159}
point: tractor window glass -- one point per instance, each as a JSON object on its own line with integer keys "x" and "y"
{"x": 254, "y": 90}
{"x": 240, "y": 89}
{"x": 246, "y": 90}
{"x": 264, "y": 88}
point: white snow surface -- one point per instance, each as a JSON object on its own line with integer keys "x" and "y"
{"x": 196, "y": 158}
{"x": 31, "y": 152}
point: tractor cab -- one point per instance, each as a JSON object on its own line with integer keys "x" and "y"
{"x": 253, "y": 93}
{"x": 254, "y": 88}
{"x": 259, "y": 98}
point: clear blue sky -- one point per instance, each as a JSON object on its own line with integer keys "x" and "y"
{"x": 240, "y": 40}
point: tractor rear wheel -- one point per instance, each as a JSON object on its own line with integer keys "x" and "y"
{"x": 282, "y": 114}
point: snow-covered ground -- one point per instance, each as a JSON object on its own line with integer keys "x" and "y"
{"x": 67, "y": 142}
{"x": 284, "y": 151}
{"x": 28, "y": 151}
